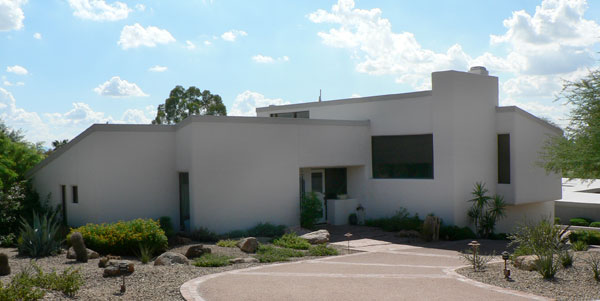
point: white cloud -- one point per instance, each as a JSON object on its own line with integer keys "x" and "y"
{"x": 19, "y": 118}
{"x": 158, "y": 68}
{"x": 207, "y": 43}
{"x": 233, "y": 34}
{"x": 189, "y": 45}
{"x": 556, "y": 112}
{"x": 16, "y": 69}
{"x": 140, "y": 7}
{"x": 355, "y": 95}
{"x": 11, "y": 14}
{"x": 117, "y": 87}
{"x": 37, "y": 36}
{"x": 80, "y": 114}
{"x": 136, "y": 116}
{"x": 133, "y": 36}
{"x": 99, "y": 10}
{"x": 245, "y": 104}
{"x": 263, "y": 59}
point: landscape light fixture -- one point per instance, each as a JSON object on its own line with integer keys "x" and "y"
{"x": 505, "y": 256}
{"x": 123, "y": 270}
{"x": 348, "y": 235}
{"x": 475, "y": 245}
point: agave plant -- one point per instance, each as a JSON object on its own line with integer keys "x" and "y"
{"x": 41, "y": 238}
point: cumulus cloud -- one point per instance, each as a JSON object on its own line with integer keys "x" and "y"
{"x": 157, "y": 68}
{"x": 245, "y": 104}
{"x": 140, "y": 7}
{"x": 133, "y": 36}
{"x": 207, "y": 43}
{"x": 11, "y": 14}
{"x": 99, "y": 10}
{"x": 37, "y": 36}
{"x": 19, "y": 118}
{"x": 189, "y": 45}
{"x": 16, "y": 69}
{"x": 233, "y": 34}
{"x": 117, "y": 87}
{"x": 263, "y": 59}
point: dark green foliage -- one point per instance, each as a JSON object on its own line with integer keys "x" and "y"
{"x": 579, "y": 246}
{"x": 266, "y": 230}
{"x": 566, "y": 258}
{"x": 499, "y": 236}
{"x": 183, "y": 103}
{"x": 486, "y": 210}
{"x": 145, "y": 253}
{"x": 353, "y": 219}
{"x": 227, "y": 243}
{"x": 20, "y": 288}
{"x": 26, "y": 284}
{"x": 456, "y": 233}
{"x": 79, "y": 247}
{"x": 204, "y": 235}
{"x": 547, "y": 266}
{"x": 595, "y": 224}
{"x": 123, "y": 238}
{"x": 557, "y": 220}
{"x": 399, "y": 221}
{"x": 292, "y": 241}
{"x": 311, "y": 209}
{"x": 322, "y": 250}
{"x": 212, "y": 260}
{"x": 580, "y": 221}
{"x": 268, "y": 253}
{"x": 589, "y": 237}
{"x": 235, "y": 234}
{"x": 41, "y": 237}
{"x": 167, "y": 226}
{"x": 594, "y": 262}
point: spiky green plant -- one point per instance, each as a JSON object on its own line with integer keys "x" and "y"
{"x": 41, "y": 238}
{"x": 485, "y": 210}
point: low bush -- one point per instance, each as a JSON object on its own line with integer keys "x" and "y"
{"x": 204, "y": 235}
{"x": 557, "y": 220}
{"x": 235, "y": 234}
{"x": 292, "y": 241}
{"x": 580, "y": 221}
{"x": 594, "y": 262}
{"x": 456, "y": 233}
{"x": 227, "y": 243}
{"x": 266, "y": 230}
{"x": 26, "y": 284}
{"x": 267, "y": 253}
{"x": 145, "y": 253}
{"x": 477, "y": 261}
{"x": 579, "y": 246}
{"x": 212, "y": 260}
{"x": 167, "y": 225}
{"x": 595, "y": 224}
{"x": 123, "y": 238}
{"x": 547, "y": 266}
{"x": 399, "y": 221}
{"x": 311, "y": 209}
{"x": 587, "y": 236}
{"x": 20, "y": 288}
{"x": 41, "y": 237}
{"x": 322, "y": 250}
{"x": 566, "y": 258}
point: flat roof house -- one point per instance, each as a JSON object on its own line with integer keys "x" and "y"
{"x": 422, "y": 151}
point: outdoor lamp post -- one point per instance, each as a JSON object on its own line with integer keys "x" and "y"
{"x": 348, "y": 235}
{"x": 505, "y": 257}
{"x": 123, "y": 270}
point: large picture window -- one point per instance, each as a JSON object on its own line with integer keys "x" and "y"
{"x": 402, "y": 157}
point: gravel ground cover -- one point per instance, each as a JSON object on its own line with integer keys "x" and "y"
{"x": 574, "y": 283}
{"x": 148, "y": 282}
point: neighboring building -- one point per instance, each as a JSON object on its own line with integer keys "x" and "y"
{"x": 581, "y": 198}
{"x": 422, "y": 151}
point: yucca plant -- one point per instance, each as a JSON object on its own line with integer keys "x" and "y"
{"x": 40, "y": 238}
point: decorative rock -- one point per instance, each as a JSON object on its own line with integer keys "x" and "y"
{"x": 91, "y": 254}
{"x": 4, "y": 266}
{"x": 248, "y": 245}
{"x": 196, "y": 251}
{"x": 526, "y": 263}
{"x": 113, "y": 268}
{"x": 317, "y": 237}
{"x": 179, "y": 240}
{"x": 79, "y": 247}
{"x": 130, "y": 266}
{"x": 243, "y": 260}
{"x": 171, "y": 258}
{"x": 297, "y": 229}
{"x": 103, "y": 262}
{"x": 111, "y": 271}
{"x": 408, "y": 233}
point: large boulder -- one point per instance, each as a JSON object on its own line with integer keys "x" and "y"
{"x": 196, "y": 251}
{"x": 113, "y": 268}
{"x": 243, "y": 260}
{"x": 526, "y": 262}
{"x": 171, "y": 258}
{"x": 317, "y": 237}
{"x": 248, "y": 245}
{"x": 91, "y": 254}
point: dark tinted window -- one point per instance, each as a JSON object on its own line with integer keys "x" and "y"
{"x": 504, "y": 159}
{"x": 300, "y": 114}
{"x": 402, "y": 157}
{"x": 75, "y": 194}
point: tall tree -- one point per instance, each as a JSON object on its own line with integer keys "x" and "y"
{"x": 183, "y": 103}
{"x": 577, "y": 153}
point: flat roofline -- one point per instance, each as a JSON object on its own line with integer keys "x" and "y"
{"x": 101, "y": 127}
{"x": 530, "y": 116}
{"x": 345, "y": 101}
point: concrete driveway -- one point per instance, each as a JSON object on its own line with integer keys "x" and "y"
{"x": 384, "y": 271}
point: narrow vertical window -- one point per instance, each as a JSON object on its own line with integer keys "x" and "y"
{"x": 75, "y": 195}
{"x": 504, "y": 158}
{"x": 63, "y": 197}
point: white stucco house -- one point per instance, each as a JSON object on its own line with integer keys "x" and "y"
{"x": 422, "y": 151}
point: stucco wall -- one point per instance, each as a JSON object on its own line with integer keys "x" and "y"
{"x": 526, "y": 213}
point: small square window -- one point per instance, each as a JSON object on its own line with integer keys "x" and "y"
{"x": 75, "y": 194}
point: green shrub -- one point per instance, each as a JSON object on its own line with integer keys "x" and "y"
{"x": 235, "y": 234}
{"x": 353, "y": 219}
{"x": 267, "y": 253}
{"x": 399, "y": 221}
{"x": 311, "y": 209}
{"x": 227, "y": 243}
{"x": 587, "y": 236}
{"x": 477, "y": 261}
{"x": 20, "y": 288}
{"x": 204, "y": 235}
{"x": 123, "y": 238}
{"x": 595, "y": 224}
{"x": 456, "y": 233}
{"x": 566, "y": 258}
{"x": 486, "y": 210}
{"x": 594, "y": 263}
{"x": 167, "y": 225}
{"x": 579, "y": 221}
{"x": 557, "y": 220}
{"x": 547, "y": 266}
{"x": 579, "y": 246}
{"x": 266, "y": 230}
{"x": 292, "y": 241}
{"x": 41, "y": 237}
{"x": 26, "y": 284}
{"x": 212, "y": 260}
{"x": 322, "y": 250}
{"x": 145, "y": 253}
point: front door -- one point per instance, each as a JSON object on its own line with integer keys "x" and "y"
{"x": 317, "y": 183}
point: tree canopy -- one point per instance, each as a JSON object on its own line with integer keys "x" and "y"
{"x": 577, "y": 153}
{"x": 16, "y": 156}
{"x": 183, "y": 103}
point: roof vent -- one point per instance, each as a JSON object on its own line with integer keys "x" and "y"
{"x": 479, "y": 70}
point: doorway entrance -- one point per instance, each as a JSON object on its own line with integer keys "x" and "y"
{"x": 317, "y": 183}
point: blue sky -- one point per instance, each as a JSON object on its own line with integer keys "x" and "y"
{"x": 66, "y": 64}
